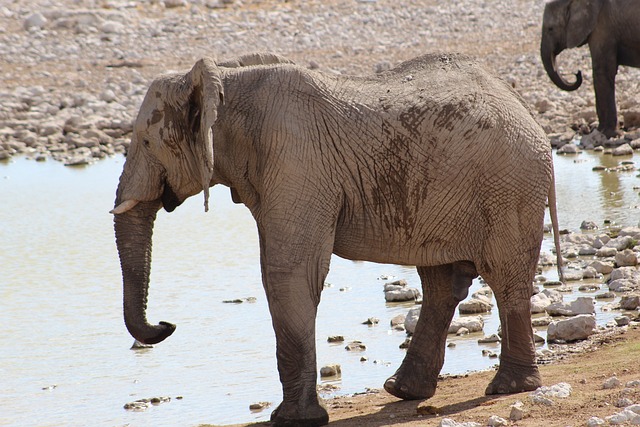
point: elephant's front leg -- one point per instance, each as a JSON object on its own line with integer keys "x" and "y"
{"x": 604, "y": 82}
{"x": 293, "y": 282}
{"x": 443, "y": 288}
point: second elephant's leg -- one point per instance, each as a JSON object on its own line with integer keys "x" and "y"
{"x": 604, "y": 83}
{"x": 443, "y": 288}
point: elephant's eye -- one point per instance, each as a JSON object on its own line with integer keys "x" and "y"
{"x": 146, "y": 142}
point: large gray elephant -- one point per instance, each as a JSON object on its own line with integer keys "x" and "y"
{"x": 612, "y": 30}
{"x": 435, "y": 163}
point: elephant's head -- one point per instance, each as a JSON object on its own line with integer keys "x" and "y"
{"x": 566, "y": 24}
{"x": 169, "y": 160}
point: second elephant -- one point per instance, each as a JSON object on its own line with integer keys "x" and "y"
{"x": 612, "y": 30}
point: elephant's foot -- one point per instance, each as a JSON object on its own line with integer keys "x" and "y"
{"x": 514, "y": 379}
{"x": 610, "y": 132}
{"x": 409, "y": 384}
{"x": 290, "y": 415}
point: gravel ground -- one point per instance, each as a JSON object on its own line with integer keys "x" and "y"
{"x": 74, "y": 72}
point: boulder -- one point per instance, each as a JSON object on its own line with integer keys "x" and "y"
{"x": 593, "y": 139}
{"x": 479, "y": 304}
{"x": 630, "y": 302}
{"x": 623, "y": 150}
{"x": 606, "y": 252}
{"x": 471, "y": 323}
{"x": 581, "y": 305}
{"x": 577, "y": 328}
{"x": 539, "y": 303}
{"x": 622, "y": 285}
{"x": 626, "y": 258}
{"x": 602, "y": 267}
{"x": 569, "y": 148}
{"x": 400, "y": 295}
{"x": 330, "y": 370}
{"x": 620, "y": 243}
{"x": 411, "y": 319}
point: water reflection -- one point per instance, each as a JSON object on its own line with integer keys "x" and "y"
{"x": 65, "y": 356}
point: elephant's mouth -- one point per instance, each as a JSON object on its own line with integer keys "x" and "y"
{"x": 170, "y": 200}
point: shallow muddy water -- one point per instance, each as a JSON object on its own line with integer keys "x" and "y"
{"x": 65, "y": 357}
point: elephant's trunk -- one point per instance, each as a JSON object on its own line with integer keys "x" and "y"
{"x": 548, "y": 54}
{"x": 134, "y": 230}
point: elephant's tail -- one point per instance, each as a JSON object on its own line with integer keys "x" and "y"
{"x": 553, "y": 213}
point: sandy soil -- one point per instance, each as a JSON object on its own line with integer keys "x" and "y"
{"x": 609, "y": 354}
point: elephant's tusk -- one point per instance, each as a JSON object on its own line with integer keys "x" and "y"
{"x": 124, "y": 206}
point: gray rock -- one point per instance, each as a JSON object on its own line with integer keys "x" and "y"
{"x": 539, "y": 303}
{"x": 330, "y": 370}
{"x": 569, "y": 148}
{"x": 606, "y": 252}
{"x": 602, "y": 266}
{"x": 630, "y": 302}
{"x": 496, "y": 421}
{"x": 576, "y": 328}
{"x": 471, "y": 323}
{"x": 581, "y": 305}
{"x": 35, "y": 21}
{"x": 623, "y": 150}
{"x": 612, "y": 382}
{"x": 411, "y": 319}
{"x": 475, "y": 305}
{"x": 588, "y": 225}
{"x": 626, "y": 258}
{"x": 407, "y": 294}
{"x": 517, "y": 411}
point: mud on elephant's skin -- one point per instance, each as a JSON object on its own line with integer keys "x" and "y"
{"x": 612, "y": 30}
{"x": 435, "y": 163}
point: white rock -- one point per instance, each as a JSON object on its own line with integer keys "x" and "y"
{"x": 517, "y": 411}
{"x": 406, "y": 294}
{"x": 602, "y": 267}
{"x": 623, "y": 150}
{"x": 581, "y": 305}
{"x": 112, "y": 27}
{"x": 496, "y": 421}
{"x": 472, "y": 324}
{"x": 626, "y": 258}
{"x": 35, "y": 21}
{"x": 605, "y": 252}
{"x": 539, "y": 303}
{"x": 595, "y": 422}
{"x": 479, "y": 304}
{"x": 448, "y": 422}
{"x": 623, "y": 417}
{"x": 411, "y": 320}
{"x": 620, "y": 243}
{"x": 630, "y": 302}
{"x": 576, "y": 328}
{"x": 612, "y": 382}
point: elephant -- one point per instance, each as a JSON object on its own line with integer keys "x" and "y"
{"x": 612, "y": 30}
{"x": 435, "y": 163}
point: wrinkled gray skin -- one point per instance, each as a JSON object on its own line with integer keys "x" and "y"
{"x": 612, "y": 30}
{"x": 435, "y": 163}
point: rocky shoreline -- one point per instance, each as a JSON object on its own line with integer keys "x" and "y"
{"x": 74, "y": 73}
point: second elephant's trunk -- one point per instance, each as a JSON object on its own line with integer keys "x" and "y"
{"x": 134, "y": 231}
{"x": 548, "y": 54}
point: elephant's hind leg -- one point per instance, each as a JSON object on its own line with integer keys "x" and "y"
{"x": 443, "y": 288}
{"x": 518, "y": 370}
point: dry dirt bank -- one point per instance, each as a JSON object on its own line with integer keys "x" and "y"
{"x": 614, "y": 353}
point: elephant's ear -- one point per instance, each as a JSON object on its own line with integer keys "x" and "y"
{"x": 581, "y": 20}
{"x": 207, "y": 93}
